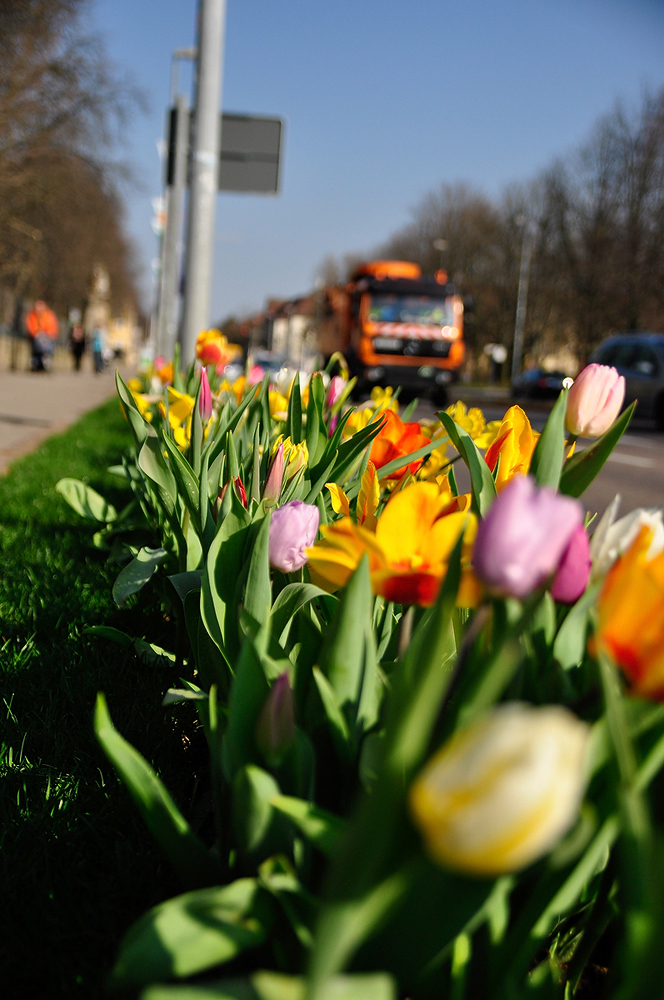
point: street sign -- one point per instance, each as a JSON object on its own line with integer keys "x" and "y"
{"x": 250, "y": 152}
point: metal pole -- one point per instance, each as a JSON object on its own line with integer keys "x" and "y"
{"x": 522, "y": 298}
{"x": 172, "y": 247}
{"x": 204, "y": 174}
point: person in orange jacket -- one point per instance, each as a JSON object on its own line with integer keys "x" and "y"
{"x": 42, "y": 326}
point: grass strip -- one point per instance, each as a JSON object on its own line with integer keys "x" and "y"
{"x": 77, "y": 866}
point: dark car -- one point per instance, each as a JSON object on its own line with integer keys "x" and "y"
{"x": 537, "y": 383}
{"x": 639, "y": 356}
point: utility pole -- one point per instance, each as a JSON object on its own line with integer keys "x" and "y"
{"x": 204, "y": 174}
{"x": 172, "y": 238}
{"x": 522, "y": 296}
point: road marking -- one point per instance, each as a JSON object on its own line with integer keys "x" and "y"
{"x": 619, "y": 456}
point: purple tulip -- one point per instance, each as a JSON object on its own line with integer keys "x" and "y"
{"x": 571, "y": 578}
{"x": 594, "y": 401}
{"x": 205, "y": 397}
{"x": 275, "y": 729}
{"x": 292, "y": 530}
{"x": 521, "y": 541}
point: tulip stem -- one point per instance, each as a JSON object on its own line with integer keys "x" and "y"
{"x": 406, "y": 630}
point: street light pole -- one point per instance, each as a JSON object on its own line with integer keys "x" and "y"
{"x": 522, "y": 297}
{"x": 204, "y": 174}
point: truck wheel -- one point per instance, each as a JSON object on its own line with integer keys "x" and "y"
{"x": 658, "y": 412}
{"x": 440, "y": 396}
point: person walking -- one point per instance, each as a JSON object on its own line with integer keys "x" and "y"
{"x": 98, "y": 340}
{"x": 77, "y": 344}
{"x": 42, "y": 326}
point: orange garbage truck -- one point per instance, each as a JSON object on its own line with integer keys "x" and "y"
{"x": 398, "y": 328}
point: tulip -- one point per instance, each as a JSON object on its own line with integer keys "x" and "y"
{"x": 275, "y": 477}
{"x": 293, "y": 530}
{"x": 334, "y": 390}
{"x": 514, "y": 444}
{"x": 503, "y": 791}
{"x": 205, "y": 397}
{"x": 594, "y": 401}
{"x": 571, "y": 578}
{"x": 612, "y": 538}
{"x": 409, "y": 552}
{"x": 631, "y": 615}
{"x": 521, "y": 541}
{"x": 395, "y": 440}
{"x": 275, "y": 729}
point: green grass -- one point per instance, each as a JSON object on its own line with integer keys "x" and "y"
{"x": 76, "y": 864}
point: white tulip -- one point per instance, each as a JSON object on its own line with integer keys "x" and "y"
{"x": 504, "y": 790}
{"x": 611, "y": 538}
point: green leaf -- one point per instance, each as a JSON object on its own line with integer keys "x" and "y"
{"x": 249, "y": 691}
{"x": 569, "y": 645}
{"x": 186, "y": 479}
{"x": 193, "y": 932}
{"x": 253, "y": 792}
{"x": 343, "y": 656}
{"x": 277, "y": 986}
{"x": 219, "y": 584}
{"x": 482, "y": 484}
{"x": 334, "y": 714}
{"x": 139, "y": 426}
{"x": 316, "y": 430}
{"x": 86, "y": 501}
{"x": 289, "y": 601}
{"x": 153, "y": 464}
{"x": 580, "y": 470}
{"x": 294, "y": 418}
{"x": 110, "y": 633}
{"x": 547, "y": 461}
{"x": 322, "y": 828}
{"x": 136, "y": 574}
{"x": 187, "y": 855}
{"x": 258, "y": 591}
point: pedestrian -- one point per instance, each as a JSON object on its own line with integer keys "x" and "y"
{"x": 77, "y": 344}
{"x": 42, "y": 326}
{"x": 98, "y": 349}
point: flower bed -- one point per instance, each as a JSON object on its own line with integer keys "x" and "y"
{"x": 431, "y": 717}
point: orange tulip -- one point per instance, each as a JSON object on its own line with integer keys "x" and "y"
{"x": 631, "y": 615}
{"x": 395, "y": 440}
{"x": 409, "y": 553}
{"x": 514, "y": 445}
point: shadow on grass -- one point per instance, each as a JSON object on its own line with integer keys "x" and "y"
{"x": 76, "y": 861}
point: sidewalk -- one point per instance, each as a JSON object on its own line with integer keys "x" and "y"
{"x": 36, "y": 405}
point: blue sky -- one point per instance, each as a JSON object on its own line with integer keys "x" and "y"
{"x": 382, "y": 102}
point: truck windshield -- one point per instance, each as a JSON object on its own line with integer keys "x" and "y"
{"x": 386, "y": 308}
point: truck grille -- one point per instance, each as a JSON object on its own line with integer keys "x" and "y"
{"x": 412, "y": 348}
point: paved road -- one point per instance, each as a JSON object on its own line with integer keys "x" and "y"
{"x": 635, "y": 469}
{"x": 34, "y": 405}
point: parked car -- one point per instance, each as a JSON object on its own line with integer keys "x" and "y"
{"x": 537, "y": 383}
{"x": 639, "y": 356}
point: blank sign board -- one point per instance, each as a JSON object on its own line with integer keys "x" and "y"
{"x": 250, "y": 149}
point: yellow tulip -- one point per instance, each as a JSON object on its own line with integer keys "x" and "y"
{"x": 631, "y": 614}
{"x": 513, "y": 445}
{"x": 410, "y": 551}
{"x": 503, "y": 791}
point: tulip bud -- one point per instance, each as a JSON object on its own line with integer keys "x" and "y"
{"x": 293, "y": 530}
{"x": 522, "y": 539}
{"x": 275, "y": 730}
{"x": 335, "y": 388}
{"x": 503, "y": 791}
{"x": 571, "y": 578}
{"x": 222, "y": 504}
{"x": 205, "y": 397}
{"x": 594, "y": 401}
{"x": 275, "y": 477}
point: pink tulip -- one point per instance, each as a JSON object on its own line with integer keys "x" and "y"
{"x": 205, "y": 397}
{"x": 293, "y": 530}
{"x": 571, "y": 579}
{"x": 256, "y": 375}
{"x": 275, "y": 477}
{"x": 522, "y": 539}
{"x": 594, "y": 401}
{"x": 334, "y": 390}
